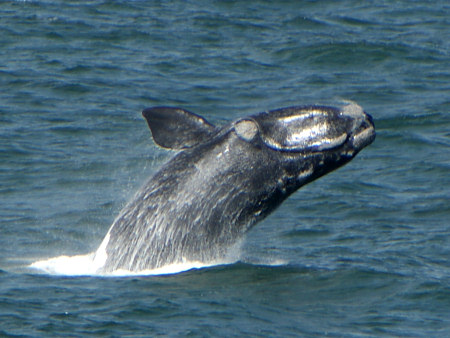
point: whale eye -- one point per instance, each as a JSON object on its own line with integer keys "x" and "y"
{"x": 304, "y": 129}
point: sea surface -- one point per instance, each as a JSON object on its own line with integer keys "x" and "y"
{"x": 363, "y": 251}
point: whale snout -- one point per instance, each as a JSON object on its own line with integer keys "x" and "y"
{"x": 362, "y": 129}
{"x": 364, "y": 134}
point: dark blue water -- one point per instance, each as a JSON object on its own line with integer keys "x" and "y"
{"x": 362, "y": 251}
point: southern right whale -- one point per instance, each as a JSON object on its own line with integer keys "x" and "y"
{"x": 223, "y": 180}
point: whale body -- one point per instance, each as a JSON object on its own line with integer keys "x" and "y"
{"x": 223, "y": 180}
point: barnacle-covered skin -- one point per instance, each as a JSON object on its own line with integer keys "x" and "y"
{"x": 224, "y": 180}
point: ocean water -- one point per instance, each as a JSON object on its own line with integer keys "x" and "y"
{"x": 363, "y": 251}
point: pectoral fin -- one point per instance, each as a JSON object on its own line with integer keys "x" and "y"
{"x": 176, "y": 128}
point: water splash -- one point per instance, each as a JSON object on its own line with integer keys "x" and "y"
{"x": 86, "y": 265}
{"x": 91, "y": 264}
{"x": 80, "y": 265}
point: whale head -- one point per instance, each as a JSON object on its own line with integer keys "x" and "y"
{"x": 309, "y": 141}
{"x": 312, "y": 129}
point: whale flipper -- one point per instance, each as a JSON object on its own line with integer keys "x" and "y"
{"x": 176, "y": 128}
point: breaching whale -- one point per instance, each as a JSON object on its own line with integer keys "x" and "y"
{"x": 223, "y": 180}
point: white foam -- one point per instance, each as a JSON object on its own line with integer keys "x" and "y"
{"x": 86, "y": 265}
{"x": 91, "y": 264}
{"x": 80, "y": 265}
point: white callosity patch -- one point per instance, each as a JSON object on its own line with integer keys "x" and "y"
{"x": 246, "y": 129}
{"x": 353, "y": 110}
{"x": 307, "y": 135}
{"x": 362, "y": 137}
{"x": 302, "y": 116}
{"x": 316, "y": 137}
{"x": 309, "y": 130}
